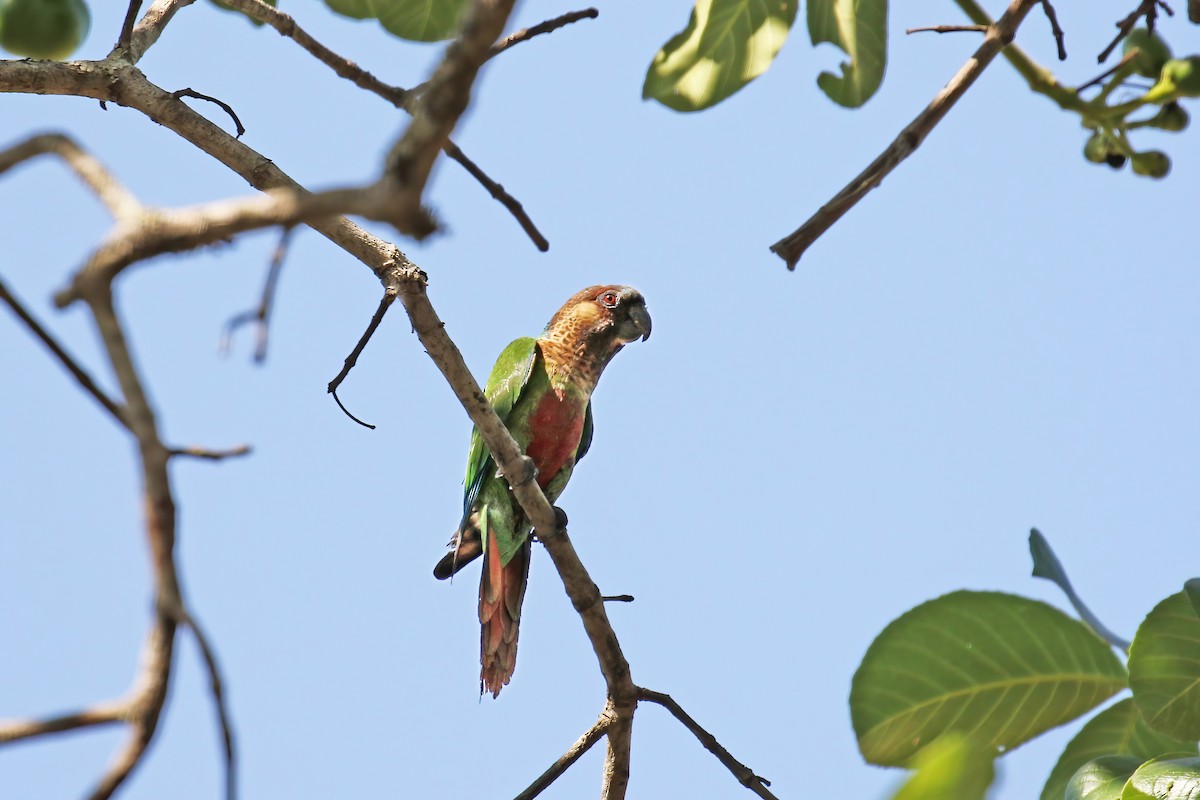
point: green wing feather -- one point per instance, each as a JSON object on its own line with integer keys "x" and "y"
{"x": 504, "y": 386}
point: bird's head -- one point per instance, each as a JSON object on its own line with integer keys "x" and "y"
{"x": 593, "y": 326}
{"x": 606, "y": 317}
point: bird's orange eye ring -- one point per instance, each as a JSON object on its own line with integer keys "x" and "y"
{"x": 609, "y": 299}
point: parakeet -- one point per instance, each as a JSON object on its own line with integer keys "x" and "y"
{"x": 541, "y": 388}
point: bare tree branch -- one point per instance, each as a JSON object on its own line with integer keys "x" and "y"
{"x": 792, "y": 247}
{"x": 1055, "y": 29}
{"x": 436, "y": 113}
{"x": 744, "y": 774}
{"x": 549, "y": 26}
{"x": 64, "y": 358}
{"x": 119, "y": 202}
{"x": 1147, "y": 9}
{"x": 948, "y": 29}
{"x": 147, "y": 31}
{"x": 206, "y": 454}
{"x": 127, "y": 27}
{"x": 103, "y": 714}
{"x": 573, "y": 754}
{"x": 260, "y": 315}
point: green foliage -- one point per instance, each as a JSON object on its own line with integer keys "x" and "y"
{"x": 1152, "y": 52}
{"x": 1102, "y": 778}
{"x": 1164, "y": 668}
{"x": 726, "y": 44}
{"x": 951, "y": 664}
{"x": 1165, "y": 779}
{"x": 224, "y": 7}
{"x": 416, "y": 20}
{"x": 949, "y": 769}
{"x": 43, "y": 29}
{"x": 1118, "y": 730}
{"x": 859, "y": 28}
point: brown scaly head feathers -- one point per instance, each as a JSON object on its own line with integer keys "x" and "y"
{"x": 589, "y": 330}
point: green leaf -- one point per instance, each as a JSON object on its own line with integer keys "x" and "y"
{"x": 1164, "y": 668}
{"x": 1046, "y": 565}
{"x": 1165, "y": 779}
{"x": 1117, "y": 730}
{"x": 726, "y": 44}
{"x": 996, "y": 667}
{"x": 416, "y": 20}
{"x": 1192, "y": 590}
{"x": 948, "y": 769}
{"x": 859, "y": 27}
{"x": 1102, "y": 778}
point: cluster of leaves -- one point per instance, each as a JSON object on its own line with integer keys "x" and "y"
{"x": 954, "y": 683}
{"x": 1148, "y": 56}
{"x": 726, "y": 44}
{"x": 44, "y": 29}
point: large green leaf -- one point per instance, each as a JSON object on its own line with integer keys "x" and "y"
{"x": 996, "y": 667}
{"x": 1165, "y": 779}
{"x": 949, "y": 769}
{"x": 418, "y": 20}
{"x": 1164, "y": 668}
{"x": 859, "y": 27}
{"x": 1117, "y": 730}
{"x": 1102, "y": 778}
{"x": 726, "y": 44}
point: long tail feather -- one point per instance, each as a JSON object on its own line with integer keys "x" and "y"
{"x": 501, "y": 592}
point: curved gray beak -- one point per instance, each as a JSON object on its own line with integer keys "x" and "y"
{"x": 637, "y": 324}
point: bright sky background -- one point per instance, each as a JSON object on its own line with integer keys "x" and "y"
{"x": 1002, "y": 336}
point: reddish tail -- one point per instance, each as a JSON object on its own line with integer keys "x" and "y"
{"x": 501, "y": 592}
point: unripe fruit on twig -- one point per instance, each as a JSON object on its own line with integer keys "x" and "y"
{"x": 1172, "y": 117}
{"x": 45, "y": 29}
{"x": 1152, "y": 52}
{"x": 1152, "y": 164}
{"x": 1095, "y": 149}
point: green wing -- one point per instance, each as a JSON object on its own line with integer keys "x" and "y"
{"x": 504, "y": 386}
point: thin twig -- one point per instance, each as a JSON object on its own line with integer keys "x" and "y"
{"x": 228, "y": 109}
{"x": 792, "y": 246}
{"x": 206, "y": 454}
{"x": 744, "y": 774}
{"x": 119, "y": 202}
{"x": 617, "y": 598}
{"x": 1096, "y": 81}
{"x": 401, "y": 98}
{"x": 127, "y": 28}
{"x": 548, "y": 26}
{"x": 497, "y": 191}
{"x": 219, "y": 702}
{"x": 1147, "y": 9}
{"x": 1055, "y": 29}
{"x": 385, "y": 302}
{"x": 410, "y": 160}
{"x": 573, "y": 754}
{"x": 151, "y": 26}
{"x": 949, "y": 29}
{"x": 64, "y": 358}
{"x": 261, "y": 314}
{"x": 103, "y": 714}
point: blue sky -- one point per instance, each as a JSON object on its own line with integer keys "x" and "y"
{"x": 1002, "y": 336}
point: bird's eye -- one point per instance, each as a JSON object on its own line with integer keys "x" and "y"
{"x": 609, "y": 299}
